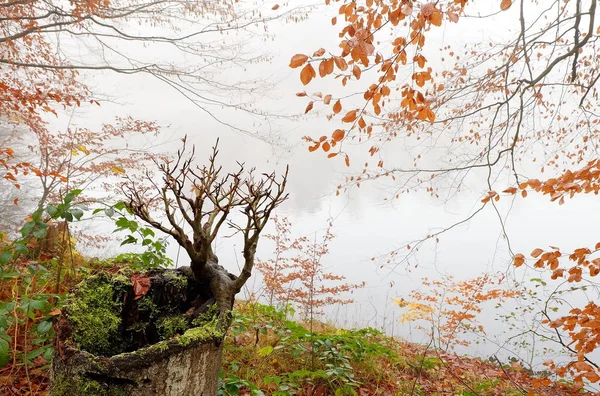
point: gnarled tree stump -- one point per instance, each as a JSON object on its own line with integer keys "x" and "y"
{"x": 132, "y": 334}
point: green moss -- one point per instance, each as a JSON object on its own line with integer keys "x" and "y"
{"x": 146, "y": 305}
{"x": 204, "y": 329}
{"x": 171, "y": 325}
{"x": 160, "y": 346}
{"x": 206, "y": 317}
{"x": 89, "y": 387}
{"x": 198, "y": 334}
{"x": 85, "y": 386}
{"x": 138, "y": 327}
{"x": 95, "y": 311}
{"x": 61, "y": 387}
{"x": 178, "y": 281}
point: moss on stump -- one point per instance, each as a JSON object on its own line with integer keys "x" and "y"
{"x": 111, "y": 342}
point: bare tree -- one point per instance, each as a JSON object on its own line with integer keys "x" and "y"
{"x": 206, "y": 208}
{"x": 192, "y": 46}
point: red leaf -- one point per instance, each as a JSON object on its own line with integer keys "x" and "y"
{"x": 141, "y": 285}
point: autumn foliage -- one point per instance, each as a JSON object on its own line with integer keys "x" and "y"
{"x": 503, "y": 112}
{"x": 448, "y": 311}
{"x": 297, "y": 274}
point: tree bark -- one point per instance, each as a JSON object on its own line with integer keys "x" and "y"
{"x": 177, "y": 370}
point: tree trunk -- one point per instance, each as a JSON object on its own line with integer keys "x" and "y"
{"x": 138, "y": 334}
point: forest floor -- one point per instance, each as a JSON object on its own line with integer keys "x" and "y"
{"x": 266, "y": 352}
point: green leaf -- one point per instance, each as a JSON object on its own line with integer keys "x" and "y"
{"x": 21, "y": 249}
{"x": 40, "y": 232}
{"x": 44, "y": 326}
{"x": 71, "y": 195}
{"x": 130, "y": 239}
{"x": 26, "y": 229}
{"x": 77, "y": 213}
{"x": 37, "y": 215}
{"x": 6, "y": 307}
{"x": 272, "y": 380}
{"x": 35, "y": 353}
{"x": 146, "y": 232}
{"x": 110, "y": 212}
{"x": 4, "y": 357}
{"x": 538, "y": 280}
{"x": 265, "y": 351}
{"x": 122, "y": 223}
{"x": 52, "y": 210}
{"x": 48, "y": 353}
{"x": 37, "y": 304}
{"x": 5, "y": 257}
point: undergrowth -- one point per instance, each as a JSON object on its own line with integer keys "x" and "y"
{"x": 266, "y": 353}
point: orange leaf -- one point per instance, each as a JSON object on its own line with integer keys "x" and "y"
{"x": 309, "y": 107}
{"x": 313, "y": 148}
{"x": 331, "y": 155}
{"x": 536, "y": 253}
{"x": 327, "y": 99}
{"x": 54, "y": 312}
{"x": 337, "y": 107}
{"x": 326, "y": 146}
{"x": 298, "y": 60}
{"x": 505, "y": 4}
{"x": 301, "y": 94}
{"x": 510, "y": 190}
{"x": 356, "y": 71}
{"x": 519, "y": 259}
{"x": 276, "y": 6}
{"x": 307, "y": 74}
{"x": 340, "y": 63}
{"x": 319, "y": 52}
{"x": 323, "y": 68}
{"x": 329, "y": 66}
{"x": 436, "y": 18}
{"x": 338, "y": 135}
{"x": 420, "y": 59}
{"x": 362, "y": 123}
{"x": 350, "y": 116}
{"x": 347, "y": 160}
